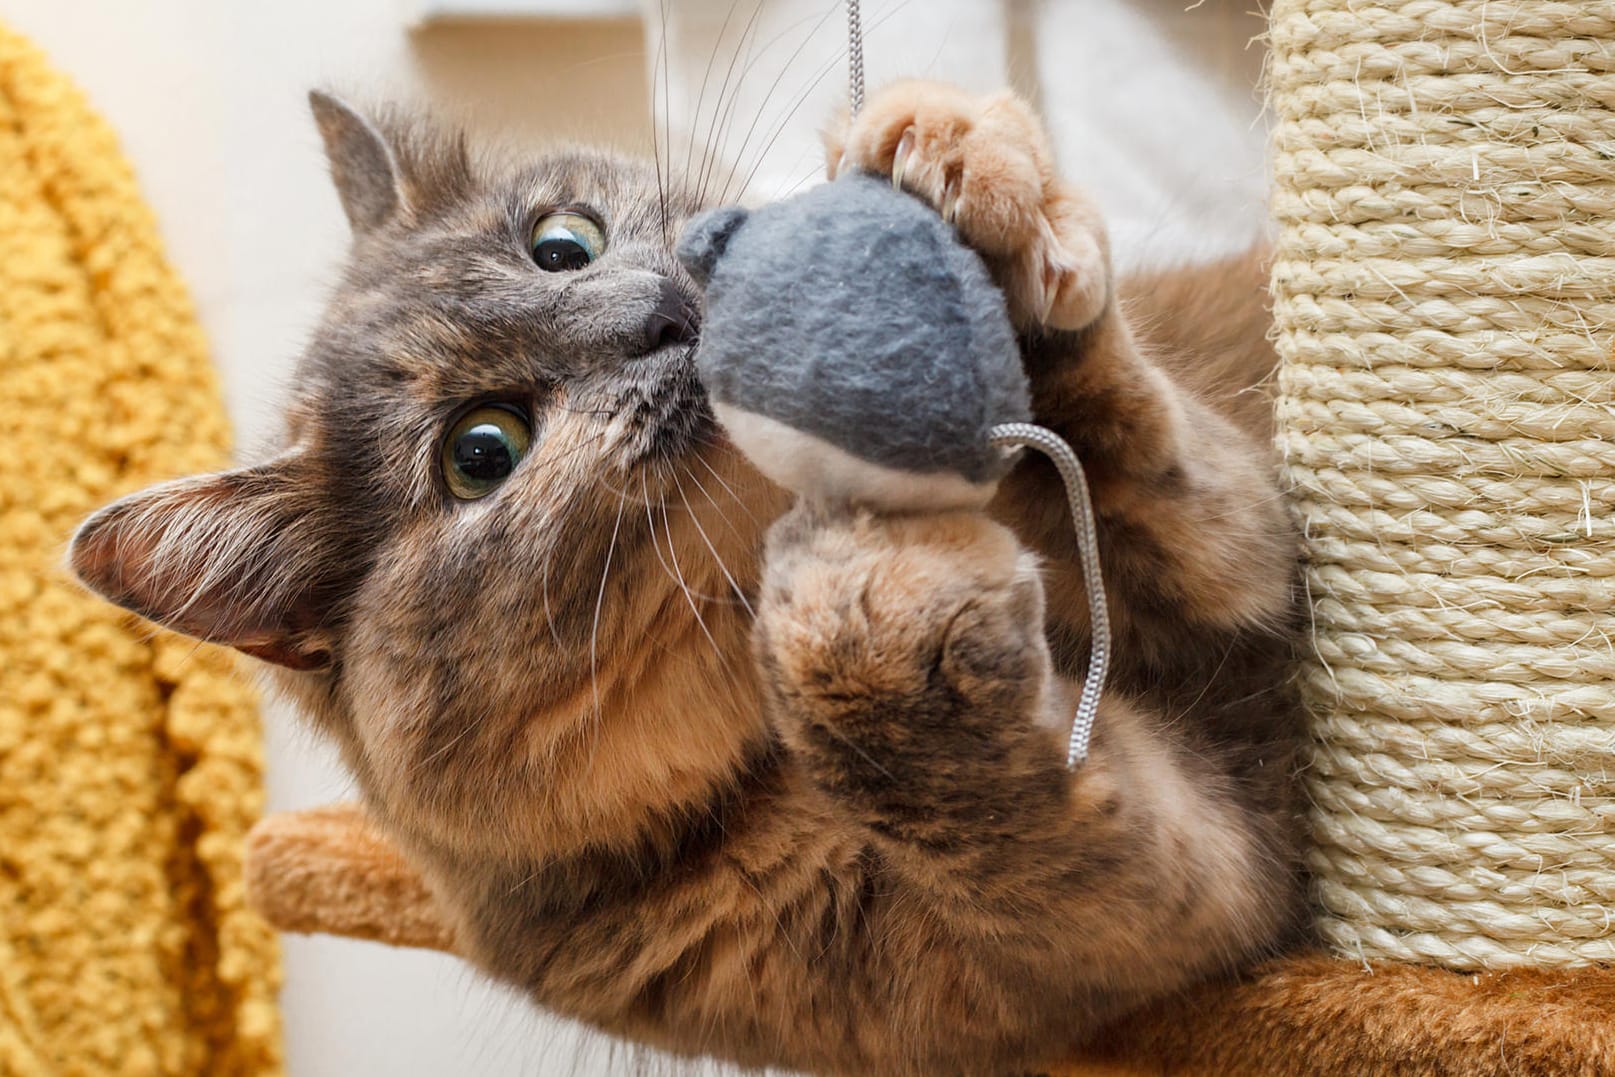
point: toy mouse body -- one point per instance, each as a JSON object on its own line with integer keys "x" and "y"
{"x": 854, "y": 348}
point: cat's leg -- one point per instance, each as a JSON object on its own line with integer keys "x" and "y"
{"x": 1194, "y": 539}
{"x": 909, "y": 676}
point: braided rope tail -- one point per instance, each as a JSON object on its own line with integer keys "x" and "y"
{"x": 1050, "y": 444}
{"x": 1014, "y": 436}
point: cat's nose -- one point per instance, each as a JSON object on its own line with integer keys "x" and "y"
{"x": 674, "y": 319}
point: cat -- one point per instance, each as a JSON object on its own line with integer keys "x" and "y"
{"x": 733, "y": 777}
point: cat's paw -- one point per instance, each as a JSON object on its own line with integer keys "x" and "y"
{"x": 858, "y": 610}
{"x": 904, "y": 659}
{"x": 986, "y": 165}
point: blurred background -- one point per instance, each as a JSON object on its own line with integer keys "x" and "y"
{"x": 1153, "y": 105}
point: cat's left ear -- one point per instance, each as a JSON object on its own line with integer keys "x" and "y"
{"x": 237, "y": 558}
{"x": 363, "y": 166}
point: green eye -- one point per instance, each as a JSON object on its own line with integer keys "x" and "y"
{"x": 563, "y": 241}
{"x": 483, "y": 449}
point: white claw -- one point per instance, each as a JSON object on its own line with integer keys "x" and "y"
{"x": 905, "y": 149}
{"x": 1055, "y": 270}
{"x": 950, "y": 202}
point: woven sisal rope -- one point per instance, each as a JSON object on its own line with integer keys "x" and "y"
{"x": 1445, "y": 304}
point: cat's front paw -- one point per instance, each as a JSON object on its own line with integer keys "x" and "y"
{"x": 986, "y": 165}
{"x": 936, "y": 611}
{"x": 905, "y": 663}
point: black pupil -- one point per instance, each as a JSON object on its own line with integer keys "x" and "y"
{"x": 483, "y": 454}
{"x": 560, "y": 253}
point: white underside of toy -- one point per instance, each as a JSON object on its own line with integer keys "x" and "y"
{"x": 819, "y": 470}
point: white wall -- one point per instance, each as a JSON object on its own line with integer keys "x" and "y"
{"x": 1151, "y": 104}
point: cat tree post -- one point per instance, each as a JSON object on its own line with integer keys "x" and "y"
{"x": 1444, "y": 297}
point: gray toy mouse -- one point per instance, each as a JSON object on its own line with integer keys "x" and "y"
{"x": 854, "y": 349}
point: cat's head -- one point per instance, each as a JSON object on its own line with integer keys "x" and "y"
{"x": 501, "y": 494}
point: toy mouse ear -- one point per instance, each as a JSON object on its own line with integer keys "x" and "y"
{"x": 706, "y": 237}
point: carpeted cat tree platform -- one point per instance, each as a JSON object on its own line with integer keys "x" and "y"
{"x": 1444, "y": 300}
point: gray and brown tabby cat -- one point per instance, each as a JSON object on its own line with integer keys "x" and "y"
{"x": 777, "y": 785}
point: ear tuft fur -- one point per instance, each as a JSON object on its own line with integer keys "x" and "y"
{"x": 231, "y": 558}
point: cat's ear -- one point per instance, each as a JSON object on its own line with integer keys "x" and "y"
{"x": 706, "y": 237}
{"x": 233, "y": 558}
{"x": 363, "y": 165}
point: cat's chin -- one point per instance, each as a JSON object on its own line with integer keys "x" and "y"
{"x": 674, "y": 419}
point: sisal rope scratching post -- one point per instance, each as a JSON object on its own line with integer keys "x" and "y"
{"x": 1445, "y": 304}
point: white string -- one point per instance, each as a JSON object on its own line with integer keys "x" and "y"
{"x": 1065, "y": 461}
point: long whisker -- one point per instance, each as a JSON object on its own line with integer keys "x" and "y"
{"x": 718, "y": 652}
{"x": 716, "y": 148}
{"x": 716, "y": 557}
{"x": 622, "y": 496}
{"x": 722, "y": 516}
{"x": 779, "y": 129}
{"x": 713, "y": 157}
{"x": 599, "y": 604}
{"x": 730, "y": 490}
{"x": 678, "y": 577}
{"x": 671, "y": 568}
{"x": 655, "y": 141}
{"x": 706, "y": 77}
{"x": 707, "y": 154}
{"x": 667, "y": 118}
{"x": 761, "y": 108}
{"x": 836, "y": 61}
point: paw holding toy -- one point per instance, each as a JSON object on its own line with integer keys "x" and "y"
{"x": 854, "y": 349}
{"x": 859, "y": 354}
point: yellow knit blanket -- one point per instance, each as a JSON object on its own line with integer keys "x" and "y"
{"x": 130, "y": 761}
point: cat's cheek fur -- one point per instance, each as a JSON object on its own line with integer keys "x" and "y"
{"x": 493, "y": 718}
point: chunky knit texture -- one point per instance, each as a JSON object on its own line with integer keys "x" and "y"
{"x": 130, "y": 760}
{"x": 1445, "y": 301}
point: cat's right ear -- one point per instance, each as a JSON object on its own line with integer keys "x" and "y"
{"x": 235, "y": 558}
{"x": 363, "y": 166}
{"x": 706, "y": 237}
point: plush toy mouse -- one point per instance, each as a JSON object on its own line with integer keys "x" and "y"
{"x": 854, "y": 349}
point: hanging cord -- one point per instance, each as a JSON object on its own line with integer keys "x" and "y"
{"x": 855, "y": 57}
{"x": 1065, "y": 461}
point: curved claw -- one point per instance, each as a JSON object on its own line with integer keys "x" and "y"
{"x": 905, "y": 149}
{"x": 950, "y": 201}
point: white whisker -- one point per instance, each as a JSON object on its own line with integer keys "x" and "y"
{"x": 730, "y": 490}
{"x": 678, "y": 577}
{"x": 599, "y": 603}
{"x": 717, "y": 559}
